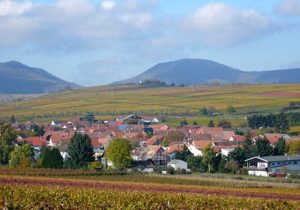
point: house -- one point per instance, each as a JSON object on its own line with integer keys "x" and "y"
{"x": 273, "y": 138}
{"x": 36, "y": 144}
{"x": 264, "y": 166}
{"x": 178, "y": 165}
{"x": 197, "y": 146}
{"x": 173, "y": 149}
{"x": 155, "y": 140}
{"x": 154, "y": 153}
{"x": 237, "y": 138}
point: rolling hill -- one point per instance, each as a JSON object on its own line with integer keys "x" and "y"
{"x": 200, "y": 71}
{"x": 17, "y": 78}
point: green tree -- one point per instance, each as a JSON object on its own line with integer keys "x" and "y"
{"x": 118, "y": 152}
{"x": 248, "y": 147}
{"x": 12, "y": 119}
{"x": 203, "y": 111}
{"x": 96, "y": 165}
{"x": 211, "y": 124}
{"x": 280, "y": 147}
{"x": 173, "y": 136}
{"x": 7, "y": 142}
{"x": 183, "y": 123}
{"x": 80, "y": 151}
{"x": 263, "y": 148}
{"x": 282, "y": 123}
{"x": 51, "y": 158}
{"x": 194, "y": 163}
{"x": 230, "y": 110}
{"x": 238, "y": 155}
{"x": 184, "y": 154}
{"x": 21, "y": 156}
{"x": 38, "y": 130}
{"x": 224, "y": 124}
{"x": 209, "y": 157}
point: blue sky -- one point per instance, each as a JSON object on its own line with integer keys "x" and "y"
{"x": 95, "y": 42}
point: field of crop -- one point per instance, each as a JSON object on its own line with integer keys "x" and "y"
{"x": 114, "y": 100}
{"x": 140, "y": 192}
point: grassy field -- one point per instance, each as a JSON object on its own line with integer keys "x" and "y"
{"x": 115, "y": 100}
{"x": 62, "y": 191}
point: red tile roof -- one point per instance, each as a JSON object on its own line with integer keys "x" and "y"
{"x": 36, "y": 141}
{"x": 273, "y": 137}
{"x": 154, "y": 139}
{"x": 175, "y": 147}
{"x": 202, "y": 143}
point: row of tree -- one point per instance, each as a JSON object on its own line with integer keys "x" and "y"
{"x": 278, "y": 121}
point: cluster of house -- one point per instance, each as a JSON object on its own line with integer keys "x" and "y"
{"x": 149, "y": 151}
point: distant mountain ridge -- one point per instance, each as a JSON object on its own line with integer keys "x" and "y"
{"x": 200, "y": 71}
{"x": 17, "y": 78}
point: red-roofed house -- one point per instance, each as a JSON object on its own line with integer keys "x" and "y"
{"x": 196, "y": 147}
{"x": 155, "y": 140}
{"x": 36, "y": 141}
{"x": 273, "y": 137}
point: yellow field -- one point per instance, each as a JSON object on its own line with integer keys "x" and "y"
{"x": 114, "y": 100}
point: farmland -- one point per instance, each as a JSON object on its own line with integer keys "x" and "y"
{"x": 114, "y": 100}
{"x": 142, "y": 192}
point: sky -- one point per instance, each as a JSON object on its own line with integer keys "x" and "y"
{"x": 96, "y": 42}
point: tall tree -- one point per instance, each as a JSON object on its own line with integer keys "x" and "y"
{"x": 7, "y": 142}
{"x": 21, "y": 156}
{"x": 184, "y": 154}
{"x": 224, "y": 124}
{"x": 194, "y": 163}
{"x": 282, "y": 124}
{"x": 12, "y": 119}
{"x": 80, "y": 151}
{"x": 211, "y": 124}
{"x": 118, "y": 152}
{"x": 263, "y": 148}
{"x": 51, "y": 158}
{"x": 209, "y": 157}
{"x": 280, "y": 147}
{"x": 248, "y": 147}
{"x": 238, "y": 155}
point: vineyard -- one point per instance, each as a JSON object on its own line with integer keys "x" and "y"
{"x": 124, "y": 192}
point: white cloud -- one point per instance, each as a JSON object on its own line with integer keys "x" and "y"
{"x": 289, "y": 7}
{"x": 220, "y": 24}
{"x": 10, "y": 7}
{"x": 139, "y": 20}
{"x": 108, "y": 5}
{"x": 67, "y": 25}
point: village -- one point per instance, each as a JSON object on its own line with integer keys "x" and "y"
{"x": 156, "y": 145}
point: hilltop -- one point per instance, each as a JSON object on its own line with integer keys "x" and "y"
{"x": 200, "y": 71}
{"x": 17, "y": 78}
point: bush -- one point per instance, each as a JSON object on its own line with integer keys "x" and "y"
{"x": 170, "y": 170}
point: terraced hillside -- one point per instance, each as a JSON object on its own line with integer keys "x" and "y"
{"x": 114, "y": 100}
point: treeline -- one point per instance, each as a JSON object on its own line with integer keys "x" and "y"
{"x": 281, "y": 122}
